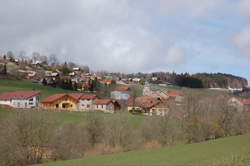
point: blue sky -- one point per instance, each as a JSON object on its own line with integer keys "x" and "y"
{"x": 133, "y": 35}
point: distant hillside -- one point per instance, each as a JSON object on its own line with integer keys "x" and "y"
{"x": 220, "y": 80}
{"x": 202, "y": 80}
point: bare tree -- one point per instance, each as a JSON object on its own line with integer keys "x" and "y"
{"x": 53, "y": 60}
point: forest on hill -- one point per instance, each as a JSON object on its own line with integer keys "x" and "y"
{"x": 203, "y": 80}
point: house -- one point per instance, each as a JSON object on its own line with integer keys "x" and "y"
{"x": 136, "y": 80}
{"x": 121, "y": 93}
{"x": 86, "y": 102}
{"x": 149, "y": 91}
{"x": 70, "y": 102}
{"x": 106, "y": 81}
{"x": 177, "y": 95}
{"x": 31, "y": 75}
{"x": 21, "y": 99}
{"x": 106, "y": 105}
{"x": 67, "y": 102}
{"x": 76, "y": 69}
{"x": 159, "y": 109}
{"x": 246, "y": 102}
{"x": 147, "y": 105}
{"x": 154, "y": 78}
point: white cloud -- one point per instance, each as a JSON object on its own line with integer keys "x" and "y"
{"x": 242, "y": 42}
{"x": 175, "y": 55}
{"x": 189, "y": 7}
{"x": 105, "y": 34}
{"x": 244, "y": 6}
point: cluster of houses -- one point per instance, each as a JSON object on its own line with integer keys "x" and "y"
{"x": 63, "y": 102}
{"x": 152, "y": 102}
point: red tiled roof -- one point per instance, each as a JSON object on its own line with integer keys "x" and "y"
{"x": 176, "y": 93}
{"x": 75, "y": 96}
{"x": 106, "y": 81}
{"x": 55, "y": 97}
{"x": 19, "y": 95}
{"x": 90, "y": 96}
{"x": 102, "y": 101}
{"x": 246, "y": 101}
{"x": 123, "y": 88}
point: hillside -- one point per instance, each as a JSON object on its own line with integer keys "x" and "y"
{"x": 220, "y": 80}
{"x": 12, "y": 85}
{"x": 228, "y": 150}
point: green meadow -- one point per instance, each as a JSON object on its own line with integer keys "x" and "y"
{"x": 13, "y": 85}
{"x": 231, "y": 151}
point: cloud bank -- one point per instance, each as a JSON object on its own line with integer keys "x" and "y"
{"x": 104, "y": 34}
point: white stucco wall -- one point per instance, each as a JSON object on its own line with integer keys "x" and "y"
{"x": 105, "y": 108}
{"x": 5, "y": 102}
{"x": 120, "y": 95}
{"x": 86, "y": 105}
{"x": 32, "y": 102}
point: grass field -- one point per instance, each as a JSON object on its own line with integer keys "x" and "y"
{"x": 13, "y": 85}
{"x": 226, "y": 151}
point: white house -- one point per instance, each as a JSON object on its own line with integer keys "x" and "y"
{"x": 121, "y": 93}
{"x": 106, "y": 105}
{"x": 21, "y": 99}
{"x": 86, "y": 102}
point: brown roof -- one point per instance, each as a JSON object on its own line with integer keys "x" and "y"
{"x": 89, "y": 96}
{"x": 123, "y": 88}
{"x": 144, "y": 102}
{"x": 102, "y": 101}
{"x": 55, "y": 97}
{"x": 19, "y": 95}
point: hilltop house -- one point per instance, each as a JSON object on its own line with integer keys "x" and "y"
{"x": 121, "y": 93}
{"x": 21, "y": 99}
{"x": 106, "y": 105}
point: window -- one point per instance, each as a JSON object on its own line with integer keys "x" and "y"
{"x": 31, "y": 99}
{"x": 102, "y": 106}
{"x": 88, "y": 105}
{"x": 57, "y": 105}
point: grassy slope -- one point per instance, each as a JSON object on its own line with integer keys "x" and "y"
{"x": 173, "y": 156}
{"x": 12, "y": 85}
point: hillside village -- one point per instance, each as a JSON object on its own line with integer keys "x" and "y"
{"x": 101, "y": 91}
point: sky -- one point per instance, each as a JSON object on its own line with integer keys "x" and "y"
{"x": 133, "y": 35}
